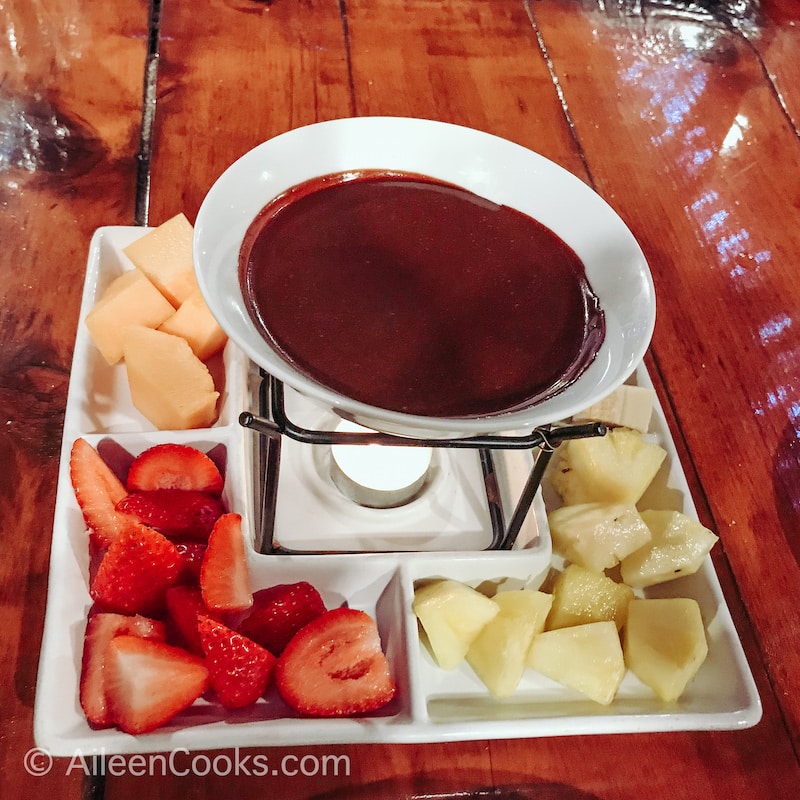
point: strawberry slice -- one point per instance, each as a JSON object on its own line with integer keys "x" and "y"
{"x": 240, "y": 669}
{"x": 174, "y": 466}
{"x": 97, "y": 490}
{"x": 224, "y": 580}
{"x": 100, "y": 630}
{"x": 184, "y": 606}
{"x": 335, "y": 667}
{"x": 192, "y": 554}
{"x": 136, "y": 571}
{"x": 188, "y": 514}
{"x": 148, "y": 683}
{"x": 279, "y": 612}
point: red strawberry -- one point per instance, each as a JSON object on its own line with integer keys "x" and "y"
{"x": 136, "y": 572}
{"x": 335, "y": 667}
{"x": 279, "y": 612}
{"x": 192, "y": 554}
{"x": 174, "y": 466}
{"x": 184, "y": 605}
{"x": 100, "y": 630}
{"x": 224, "y": 579}
{"x": 187, "y": 514}
{"x": 97, "y": 490}
{"x": 240, "y": 669}
{"x": 148, "y": 683}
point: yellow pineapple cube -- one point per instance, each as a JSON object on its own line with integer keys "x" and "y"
{"x": 581, "y": 595}
{"x": 587, "y": 658}
{"x": 169, "y": 384}
{"x": 194, "y": 322}
{"x": 164, "y": 254}
{"x": 615, "y": 468}
{"x": 499, "y": 651}
{"x": 451, "y": 614}
{"x": 130, "y": 299}
{"x": 665, "y": 643}
{"x": 597, "y": 535}
{"x": 678, "y": 546}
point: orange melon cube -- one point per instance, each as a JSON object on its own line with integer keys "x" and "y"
{"x": 169, "y": 384}
{"x": 194, "y": 322}
{"x": 130, "y": 299}
{"x": 165, "y": 256}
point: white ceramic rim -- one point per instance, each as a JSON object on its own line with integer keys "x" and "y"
{"x": 483, "y": 163}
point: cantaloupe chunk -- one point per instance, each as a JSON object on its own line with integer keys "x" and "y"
{"x": 169, "y": 384}
{"x": 165, "y": 256}
{"x": 194, "y": 322}
{"x": 130, "y": 299}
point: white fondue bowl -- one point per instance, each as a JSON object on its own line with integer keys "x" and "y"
{"x": 491, "y": 167}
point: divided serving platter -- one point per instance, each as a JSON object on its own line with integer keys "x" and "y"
{"x": 431, "y": 705}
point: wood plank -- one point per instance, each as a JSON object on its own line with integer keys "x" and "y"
{"x": 232, "y": 77}
{"x": 473, "y": 64}
{"x": 69, "y": 120}
{"x": 701, "y": 142}
{"x": 776, "y": 38}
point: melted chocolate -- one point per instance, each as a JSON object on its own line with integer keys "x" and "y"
{"x": 417, "y": 296}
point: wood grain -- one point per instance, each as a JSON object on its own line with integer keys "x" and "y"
{"x": 686, "y": 125}
{"x": 68, "y": 166}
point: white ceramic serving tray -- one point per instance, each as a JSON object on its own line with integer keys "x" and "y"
{"x": 431, "y": 705}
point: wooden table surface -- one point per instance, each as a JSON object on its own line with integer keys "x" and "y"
{"x": 685, "y": 117}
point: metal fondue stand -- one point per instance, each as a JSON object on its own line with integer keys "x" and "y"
{"x": 272, "y": 423}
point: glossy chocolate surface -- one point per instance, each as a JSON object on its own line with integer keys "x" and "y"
{"x": 418, "y": 296}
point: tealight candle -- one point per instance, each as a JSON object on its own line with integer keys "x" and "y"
{"x": 378, "y": 476}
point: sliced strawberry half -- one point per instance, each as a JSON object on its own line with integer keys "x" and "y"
{"x": 183, "y": 513}
{"x": 174, "y": 466}
{"x": 335, "y": 667}
{"x": 101, "y": 628}
{"x": 240, "y": 669}
{"x": 97, "y": 490}
{"x": 148, "y": 683}
{"x": 224, "y": 580}
{"x": 136, "y": 571}
{"x": 184, "y": 606}
{"x": 279, "y": 612}
{"x": 192, "y": 554}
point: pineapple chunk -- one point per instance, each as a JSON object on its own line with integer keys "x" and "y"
{"x": 130, "y": 299}
{"x": 665, "y": 643}
{"x": 165, "y": 256}
{"x": 452, "y": 614}
{"x": 615, "y": 468}
{"x": 499, "y": 651}
{"x": 597, "y": 535}
{"x": 581, "y": 596}
{"x": 587, "y": 658}
{"x": 626, "y": 407}
{"x": 678, "y": 546}
{"x": 168, "y": 382}
{"x": 194, "y": 322}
